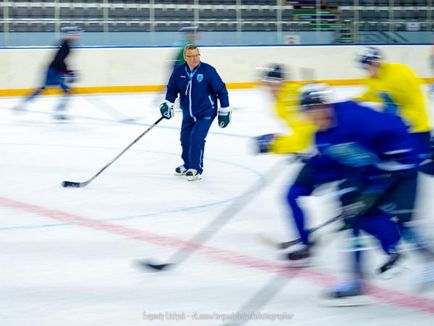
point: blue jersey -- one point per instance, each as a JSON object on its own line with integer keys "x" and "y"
{"x": 361, "y": 137}
{"x": 198, "y": 89}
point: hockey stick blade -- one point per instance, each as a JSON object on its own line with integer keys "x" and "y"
{"x": 285, "y": 245}
{"x": 276, "y": 244}
{"x": 72, "y": 184}
{"x": 154, "y": 267}
{"x": 288, "y": 244}
{"x": 211, "y": 228}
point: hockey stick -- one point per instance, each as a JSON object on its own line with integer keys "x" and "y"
{"x": 288, "y": 244}
{"x": 74, "y": 184}
{"x": 259, "y": 299}
{"x": 218, "y": 222}
{"x": 264, "y": 295}
{"x": 369, "y": 200}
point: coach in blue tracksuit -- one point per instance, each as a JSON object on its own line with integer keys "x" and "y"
{"x": 199, "y": 87}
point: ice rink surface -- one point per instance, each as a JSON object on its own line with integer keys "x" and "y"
{"x": 68, "y": 256}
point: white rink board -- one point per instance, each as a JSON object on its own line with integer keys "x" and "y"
{"x": 104, "y": 67}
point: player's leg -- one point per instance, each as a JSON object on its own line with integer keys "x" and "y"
{"x": 64, "y": 100}
{"x": 186, "y": 129}
{"x": 50, "y": 78}
{"x": 21, "y": 106}
{"x": 197, "y": 147}
{"x": 354, "y": 285}
{"x": 386, "y": 232}
{"x": 298, "y": 189}
{"x": 316, "y": 171}
{"x": 399, "y": 202}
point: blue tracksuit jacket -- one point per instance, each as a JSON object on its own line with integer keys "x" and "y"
{"x": 198, "y": 90}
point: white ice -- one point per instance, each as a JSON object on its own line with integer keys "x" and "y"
{"x": 68, "y": 255}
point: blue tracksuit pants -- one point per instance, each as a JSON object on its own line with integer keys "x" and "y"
{"x": 193, "y": 134}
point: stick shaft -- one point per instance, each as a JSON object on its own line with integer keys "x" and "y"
{"x": 85, "y": 183}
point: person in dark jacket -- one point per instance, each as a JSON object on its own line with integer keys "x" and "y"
{"x": 199, "y": 87}
{"x": 58, "y": 74}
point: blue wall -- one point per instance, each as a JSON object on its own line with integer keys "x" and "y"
{"x": 15, "y": 39}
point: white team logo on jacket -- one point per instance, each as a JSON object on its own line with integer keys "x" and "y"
{"x": 199, "y": 77}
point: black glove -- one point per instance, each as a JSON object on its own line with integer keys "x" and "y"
{"x": 263, "y": 142}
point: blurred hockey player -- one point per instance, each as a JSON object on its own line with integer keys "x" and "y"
{"x": 199, "y": 87}
{"x": 299, "y": 139}
{"x": 58, "y": 74}
{"x": 400, "y": 90}
{"x": 286, "y": 101}
{"x": 379, "y": 162}
{"x": 190, "y": 36}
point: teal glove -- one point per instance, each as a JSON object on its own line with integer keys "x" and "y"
{"x": 224, "y": 116}
{"x": 166, "y": 109}
{"x": 389, "y": 104}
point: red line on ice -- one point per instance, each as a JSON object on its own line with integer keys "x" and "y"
{"x": 227, "y": 256}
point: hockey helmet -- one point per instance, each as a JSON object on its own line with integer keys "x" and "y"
{"x": 275, "y": 72}
{"x": 314, "y": 94}
{"x": 368, "y": 55}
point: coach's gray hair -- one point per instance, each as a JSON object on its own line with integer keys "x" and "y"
{"x": 190, "y": 47}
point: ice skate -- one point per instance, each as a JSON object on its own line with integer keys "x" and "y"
{"x": 61, "y": 117}
{"x": 301, "y": 257}
{"x": 347, "y": 294}
{"x": 180, "y": 170}
{"x": 193, "y": 175}
{"x": 300, "y": 254}
{"x": 392, "y": 266}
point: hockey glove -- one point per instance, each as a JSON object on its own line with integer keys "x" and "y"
{"x": 166, "y": 109}
{"x": 69, "y": 76}
{"x": 427, "y": 166}
{"x": 263, "y": 142}
{"x": 224, "y": 116}
{"x": 389, "y": 104}
{"x": 361, "y": 197}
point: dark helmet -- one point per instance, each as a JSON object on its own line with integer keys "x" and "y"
{"x": 314, "y": 94}
{"x": 275, "y": 72}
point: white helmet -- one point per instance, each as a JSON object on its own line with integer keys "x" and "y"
{"x": 368, "y": 55}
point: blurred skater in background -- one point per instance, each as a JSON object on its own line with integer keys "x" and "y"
{"x": 399, "y": 89}
{"x": 58, "y": 74}
{"x": 190, "y": 35}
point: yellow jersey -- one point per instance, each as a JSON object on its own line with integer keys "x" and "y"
{"x": 405, "y": 90}
{"x": 302, "y": 133}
